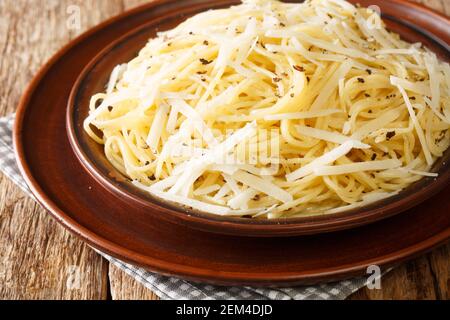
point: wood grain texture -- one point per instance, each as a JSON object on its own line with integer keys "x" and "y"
{"x": 38, "y": 258}
{"x": 426, "y": 277}
{"x": 124, "y": 287}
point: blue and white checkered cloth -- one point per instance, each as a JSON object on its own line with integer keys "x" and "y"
{"x": 174, "y": 288}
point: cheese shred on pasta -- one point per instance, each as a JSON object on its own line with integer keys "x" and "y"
{"x": 337, "y": 111}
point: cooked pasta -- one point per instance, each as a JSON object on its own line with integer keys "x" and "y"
{"x": 270, "y": 110}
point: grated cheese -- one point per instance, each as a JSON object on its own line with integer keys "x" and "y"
{"x": 274, "y": 110}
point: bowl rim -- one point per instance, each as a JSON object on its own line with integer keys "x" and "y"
{"x": 311, "y": 224}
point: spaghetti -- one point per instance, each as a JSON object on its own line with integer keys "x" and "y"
{"x": 269, "y": 110}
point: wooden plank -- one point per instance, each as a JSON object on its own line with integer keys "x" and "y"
{"x": 439, "y": 260}
{"x": 128, "y": 4}
{"x": 124, "y": 287}
{"x": 410, "y": 281}
{"x": 427, "y": 277}
{"x": 38, "y": 258}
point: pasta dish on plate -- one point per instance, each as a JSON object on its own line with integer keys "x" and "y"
{"x": 274, "y": 110}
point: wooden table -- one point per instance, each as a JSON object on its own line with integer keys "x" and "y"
{"x": 38, "y": 258}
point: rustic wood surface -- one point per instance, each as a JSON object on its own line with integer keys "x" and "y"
{"x": 38, "y": 258}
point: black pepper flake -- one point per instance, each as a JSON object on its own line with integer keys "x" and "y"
{"x": 110, "y": 108}
{"x": 276, "y": 79}
{"x": 412, "y": 98}
{"x": 203, "y": 79}
{"x": 206, "y": 43}
{"x": 205, "y": 62}
{"x": 282, "y": 24}
{"x": 307, "y": 78}
{"x": 152, "y": 178}
{"x": 257, "y": 197}
{"x": 292, "y": 95}
{"x": 299, "y": 68}
{"x": 191, "y": 33}
{"x": 374, "y": 156}
{"x": 98, "y": 103}
{"x": 370, "y": 111}
{"x": 201, "y": 72}
{"x": 147, "y": 163}
{"x": 390, "y": 135}
{"x": 360, "y": 80}
{"x": 367, "y": 95}
{"x": 369, "y": 71}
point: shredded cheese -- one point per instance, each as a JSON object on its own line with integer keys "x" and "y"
{"x": 273, "y": 110}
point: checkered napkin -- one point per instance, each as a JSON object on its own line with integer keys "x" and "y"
{"x": 174, "y": 288}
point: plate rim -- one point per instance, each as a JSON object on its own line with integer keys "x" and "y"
{"x": 128, "y": 255}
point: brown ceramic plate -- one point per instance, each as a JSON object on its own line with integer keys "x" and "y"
{"x": 94, "y": 77}
{"x": 130, "y": 232}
